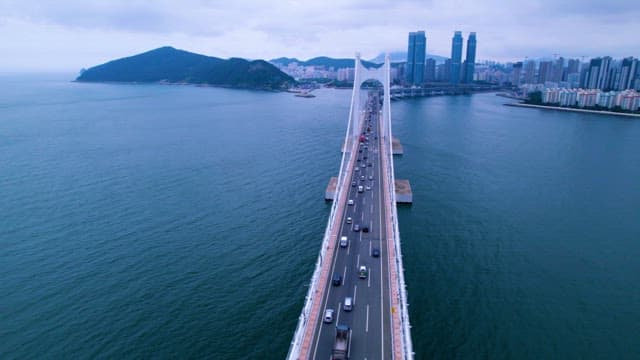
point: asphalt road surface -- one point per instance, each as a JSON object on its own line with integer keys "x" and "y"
{"x": 370, "y": 318}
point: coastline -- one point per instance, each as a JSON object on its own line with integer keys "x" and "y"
{"x": 572, "y": 109}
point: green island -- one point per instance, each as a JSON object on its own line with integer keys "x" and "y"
{"x": 172, "y": 66}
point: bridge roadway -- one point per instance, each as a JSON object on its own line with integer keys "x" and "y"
{"x": 370, "y": 318}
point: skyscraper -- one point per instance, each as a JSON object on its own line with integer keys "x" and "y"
{"x": 470, "y": 61}
{"x": 544, "y": 72}
{"x": 416, "y": 52}
{"x": 627, "y": 73}
{"x": 456, "y": 57}
{"x": 599, "y": 73}
{"x": 558, "y": 70}
{"x": 573, "y": 66}
{"x": 410, "y": 55}
{"x": 515, "y": 74}
{"x": 429, "y": 70}
{"x": 530, "y": 72}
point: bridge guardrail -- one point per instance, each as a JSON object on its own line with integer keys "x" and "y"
{"x": 407, "y": 343}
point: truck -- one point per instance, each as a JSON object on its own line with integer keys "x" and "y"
{"x": 341, "y": 344}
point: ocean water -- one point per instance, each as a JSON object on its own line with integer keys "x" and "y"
{"x": 148, "y": 221}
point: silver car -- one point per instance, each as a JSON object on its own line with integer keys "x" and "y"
{"x": 328, "y": 316}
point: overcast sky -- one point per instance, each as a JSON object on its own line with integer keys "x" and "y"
{"x": 68, "y": 35}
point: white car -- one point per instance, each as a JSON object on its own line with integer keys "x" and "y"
{"x": 328, "y": 316}
{"x": 349, "y": 220}
{"x": 350, "y": 202}
{"x": 368, "y": 187}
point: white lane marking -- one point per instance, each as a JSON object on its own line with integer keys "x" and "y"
{"x": 358, "y": 262}
{"x": 369, "y": 247}
{"x": 366, "y": 325}
{"x": 372, "y": 208}
{"x": 344, "y": 274}
{"x": 381, "y": 194}
{"x": 338, "y": 311}
{"x": 349, "y": 347}
{"x": 355, "y": 290}
{"x": 369, "y": 280}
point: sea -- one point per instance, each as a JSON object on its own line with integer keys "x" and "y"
{"x": 162, "y": 222}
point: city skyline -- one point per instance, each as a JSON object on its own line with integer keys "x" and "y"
{"x": 71, "y": 35}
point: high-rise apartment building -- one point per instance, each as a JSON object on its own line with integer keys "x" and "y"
{"x": 544, "y": 72}
{"x": 573, "y": 66}
{"x": 530, "y": 72}
{"x": 416, "y": 52}
{"x": 628, "y": 70}
{"x": 557, "y": 72}
{"x": 470, "y": 61}
{"x": 515, "y": 73}
{"x": 456, "y": 57}
{"x": 599, "y": 74}
{"x": 429, "y": 70}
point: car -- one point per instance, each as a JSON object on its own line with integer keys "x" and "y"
{"x": 370, "y": 177}
{"x": 356, "y": 227}
{"x": 349, "y": 220}
{"x": 353, "y": 183}
{"x": 362, "y": 178}
{"x": 337, "y": 279}
{"x": 362, "y": 272}
{"x": 350, "y": 202}
{"x": 358, "y": 160}
{"x": 368, "y": 187}
{"x": 375, "y": 252}
{"x": 369, "y": 165}
{"x": 365, "y": 229}
{"x": 360, "y": 150}
{"x": 328, "y": 316}
{"x": 348, "y": 304}
{"x": 364, "y": 165}
{"x": 365, "y": 157}
{"x": 356, "y": 169}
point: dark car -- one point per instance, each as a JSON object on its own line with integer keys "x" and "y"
{"x": 375, "y": 252}
{"x": 337, "y": 279}
{"x": 356, "y": 227}
{"x": 353, "y": 183}
{"x": 365, "y": 229}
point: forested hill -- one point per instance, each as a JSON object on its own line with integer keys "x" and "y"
{"x": 169, "y": 65}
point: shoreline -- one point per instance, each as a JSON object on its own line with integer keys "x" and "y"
{"x": 572, "y": 109}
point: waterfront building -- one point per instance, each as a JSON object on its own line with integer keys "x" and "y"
{"x": 544, "y": 72}
{"x": 628, "y": 70}
{"x": 443, "y": 71}
{"x": 346, "y": 74}
{"x": 573, "y": 66}
{"x": 568, "y": 97}
{"x": 607, "y": 99}
{"x": 530, "y": 72}
{"x": 470, "y": 60}
{"x": 416, "y": 52}
{"x": 516, "y": 72}
{"x": 551, "y": 96}
{"x": 558, "y": 71}
{"x": 456, "y": 57}
{"x": 628, "y": 100}
{"x": 587, "y": 98}
{"x": 429, "y": 70}
{"x": 599, "y": 73}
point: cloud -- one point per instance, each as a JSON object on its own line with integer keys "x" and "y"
{"x": 90, "y": 32}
